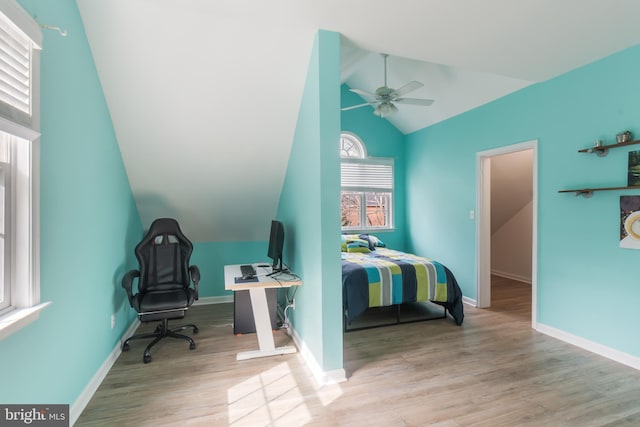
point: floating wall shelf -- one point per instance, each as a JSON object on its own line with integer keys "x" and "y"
{"x": 588, "y": 192}
{"x": 603, "y": 150}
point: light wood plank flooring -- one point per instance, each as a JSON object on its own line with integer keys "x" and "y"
{"x": 494, "y": 370}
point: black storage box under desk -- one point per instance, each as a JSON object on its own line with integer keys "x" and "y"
{"x": 243, "y": 314}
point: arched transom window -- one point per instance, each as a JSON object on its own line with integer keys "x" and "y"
{"x": 351, "y": 146}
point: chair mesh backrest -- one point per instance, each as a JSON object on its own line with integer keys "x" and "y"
{"x": 164, "y": 255}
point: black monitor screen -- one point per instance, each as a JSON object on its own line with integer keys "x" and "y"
{"x": 276, "y": 243}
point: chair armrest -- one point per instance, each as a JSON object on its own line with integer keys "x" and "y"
{"x": 195, "y": 278}
{"x": 127, "y": 283}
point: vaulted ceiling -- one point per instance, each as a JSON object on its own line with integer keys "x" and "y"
{"x": 204, "y": 94}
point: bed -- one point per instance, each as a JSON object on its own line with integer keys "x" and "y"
{"x": 376, "y": 276}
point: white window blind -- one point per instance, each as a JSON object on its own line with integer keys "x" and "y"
{"x": 16, "y": 67}
{"x": 366, "y": 174}
{"x": 15, "y": 70}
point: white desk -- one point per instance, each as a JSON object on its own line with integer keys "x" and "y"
{"x": 259, "y": 307}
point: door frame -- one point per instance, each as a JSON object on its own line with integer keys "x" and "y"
{"x": 483, "y": 223}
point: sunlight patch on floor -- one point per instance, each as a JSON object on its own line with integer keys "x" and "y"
{"x": 328, "y": 393}
{"x": 272, "y": 398}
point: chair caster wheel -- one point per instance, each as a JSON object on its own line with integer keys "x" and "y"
{"x": 196, "y": 330}
{"x": 125, "y": 347}
{"x": 192, "y": 346}
{"x": 146, "y": 359}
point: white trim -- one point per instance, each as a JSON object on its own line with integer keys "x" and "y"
{"x": 25, "y": 200}
{"x": 483, "y": 224}
{"x": 511, "y": 276}
{"x": 83, "y": 399}
{"x": 599, "y": 349}
{"x": 16, "y": 319}
{"x": 483, "y": 230}
{"x": 18, "y": 130}
{"x": 214, "y": 300}
{"x": 355, "y": 138}
{"x": 469, "y": 301}
{"x": 12, "y": 10}
{"x": 322, "y": 377}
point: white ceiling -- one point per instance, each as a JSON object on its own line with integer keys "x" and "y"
{"x": 454, "y": 90}
{"x": 204, "y": 94}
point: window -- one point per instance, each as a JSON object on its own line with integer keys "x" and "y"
{"x": 5, "y": 217}
{"x": 366, "y": 185}
{"x": 20, "y": 40}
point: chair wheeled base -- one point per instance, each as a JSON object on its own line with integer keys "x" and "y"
{"x": 162, "y": 331}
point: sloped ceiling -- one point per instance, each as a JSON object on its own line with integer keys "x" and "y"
{"x": 511, "y": 185}
{"x": 204, "y": 94}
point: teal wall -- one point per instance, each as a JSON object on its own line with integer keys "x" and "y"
{"x": 587, "y": 284}
{"x": 381, "y": 139}
{"x": 211, "y": 257}
{"x": 89, "y": 222}
{"x": 89, "y": 225}
{"x": 310, "y": 210}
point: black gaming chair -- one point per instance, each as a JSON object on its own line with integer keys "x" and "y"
{"x": 164, "y": 279}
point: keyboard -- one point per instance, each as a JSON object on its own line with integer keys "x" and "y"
{"x": 247, "y": 270}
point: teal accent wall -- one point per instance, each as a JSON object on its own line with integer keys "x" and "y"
{"x": 310, "y": 210}
{"x": 211, "y": 257}
{"x": 381, "y": 139}
{"x": 587, "y": 285}
{"x": 89, "y": 225}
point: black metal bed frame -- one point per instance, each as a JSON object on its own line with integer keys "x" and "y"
{"x": 397, "y": 322}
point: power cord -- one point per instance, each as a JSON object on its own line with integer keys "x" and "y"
{"x": 290, "y": 301}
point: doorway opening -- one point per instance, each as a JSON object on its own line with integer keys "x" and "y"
{"x": 519, "y": 211}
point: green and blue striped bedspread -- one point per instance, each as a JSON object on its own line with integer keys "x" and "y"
{"x": 386, "y": 277}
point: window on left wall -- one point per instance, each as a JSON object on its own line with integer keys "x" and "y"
{"x": 20, "y": 42}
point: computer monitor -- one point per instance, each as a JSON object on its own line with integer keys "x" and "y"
{"x": 276, "y": 243}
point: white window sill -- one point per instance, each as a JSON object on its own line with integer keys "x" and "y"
{"x": 17, "y": 319}
{"x": 367, "y": 230}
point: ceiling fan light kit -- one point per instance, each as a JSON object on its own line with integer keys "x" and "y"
{"x": 385, "y": 109}
{"x": 384, "y": 97}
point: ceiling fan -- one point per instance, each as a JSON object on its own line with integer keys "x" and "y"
{"x": 385, "y": 97}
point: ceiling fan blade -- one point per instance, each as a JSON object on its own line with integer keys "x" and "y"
{"x": 414, "y": 101}
{"x": 357, "y": 106}
{"x": 409, "y": 87}
{"x": 364, "y": 93}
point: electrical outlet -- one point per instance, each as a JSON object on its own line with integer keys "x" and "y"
{"x": 113, "y": 321}
{"x": 293, "y": 303}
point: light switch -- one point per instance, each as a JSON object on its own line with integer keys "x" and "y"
{"x": 472, "y": 214}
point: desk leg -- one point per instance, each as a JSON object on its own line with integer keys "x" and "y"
{"x": 263, "y": 328}
{"x": 262, "y": 319}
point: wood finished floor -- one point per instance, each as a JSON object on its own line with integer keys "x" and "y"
{"x": 494, "y": 370}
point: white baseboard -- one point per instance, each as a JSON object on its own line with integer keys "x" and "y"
{"x": 604, "y": 351}
{"x": 83, "y": 400}
{"x": 512, "y": 276}
{"x": 214, "y": 300}
{"x": 322, "y": 377}
{"x": 469, "y": 301}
